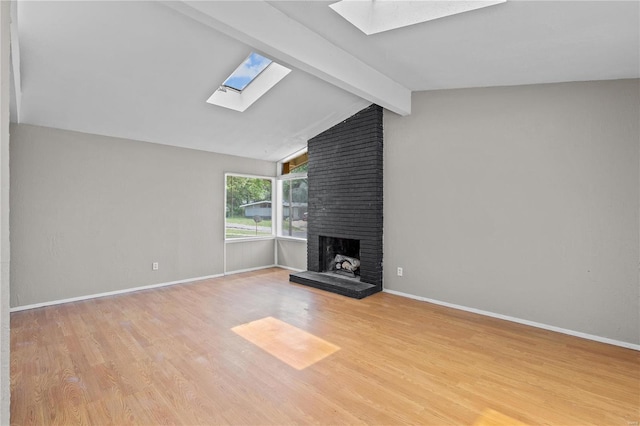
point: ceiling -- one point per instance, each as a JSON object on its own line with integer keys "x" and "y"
{"x": 144, "y": 70}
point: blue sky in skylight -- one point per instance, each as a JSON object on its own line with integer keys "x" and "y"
{"x": 247, "y": 71}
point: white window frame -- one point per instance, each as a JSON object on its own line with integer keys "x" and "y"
{"x": 279, "y": 200}
{"x": 279, "y": 180}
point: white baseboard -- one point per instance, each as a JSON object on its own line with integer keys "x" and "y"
{"x": 110, "y": 293}
{"x": 290, "y": 268}
{"x": 257, "y": 268}
{"x": 519, "y": 321}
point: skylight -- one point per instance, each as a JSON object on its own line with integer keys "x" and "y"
{"x": 254, "y": 77}
{"x": 375, "y": 16}
{"x": 247, "y": 72}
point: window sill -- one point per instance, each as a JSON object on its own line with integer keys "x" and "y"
{"x": 244, "y": 240}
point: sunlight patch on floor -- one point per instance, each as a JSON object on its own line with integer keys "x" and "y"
{"x": 289, "y": 344}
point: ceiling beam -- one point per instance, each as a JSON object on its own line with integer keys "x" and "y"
{"x": 265, "y": 28}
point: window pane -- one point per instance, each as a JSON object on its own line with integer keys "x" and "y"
{"x": 248, "y": 207}
{"x": 294, "y": 208}
{"x": 297, "y": 164}
{"x": 303, "y": 168}
{"x": 247, "y": 71}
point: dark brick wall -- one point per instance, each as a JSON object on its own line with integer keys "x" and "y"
{"x": 345, "y": 190}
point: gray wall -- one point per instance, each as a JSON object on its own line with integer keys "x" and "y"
{"x": 521, "y": 201}
{"x": 292, "y": 254}
{"x": 89, "y": 214}
{"x": 244, "y": 255}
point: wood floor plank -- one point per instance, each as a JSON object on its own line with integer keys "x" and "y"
{"x": 170, "y": 356}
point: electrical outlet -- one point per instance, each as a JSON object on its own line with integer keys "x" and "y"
{"x": 155, "y": 266}
{"x": 400, "y": 271}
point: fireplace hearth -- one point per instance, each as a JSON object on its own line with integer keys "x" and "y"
{"x": 344, "y": 234}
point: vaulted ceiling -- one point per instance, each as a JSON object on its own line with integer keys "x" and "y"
{"x": 144, "y": 70}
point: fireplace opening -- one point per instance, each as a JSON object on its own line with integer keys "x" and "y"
{"x": 340, "y": 256}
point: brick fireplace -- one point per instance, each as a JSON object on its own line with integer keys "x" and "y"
{"x": 345, "y": 205}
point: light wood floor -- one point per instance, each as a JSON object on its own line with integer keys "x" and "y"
{"x": 170, "y": 355}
